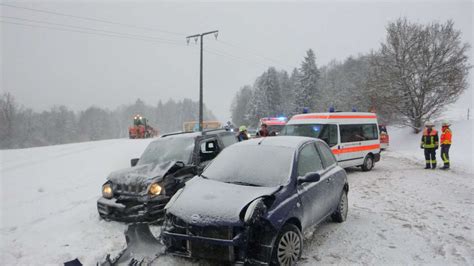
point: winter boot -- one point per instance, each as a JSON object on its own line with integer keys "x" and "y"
{"x": 445, "y": 167}
{"x": 433, "y": 166}
{"x": 428, "y": 166}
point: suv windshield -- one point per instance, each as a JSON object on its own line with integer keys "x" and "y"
{"x": 168, "y": 149}
{"x": 305, "y": 130}
{"x": 266, "y": 166}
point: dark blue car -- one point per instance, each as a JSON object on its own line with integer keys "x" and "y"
{"x": 254, "y": 201}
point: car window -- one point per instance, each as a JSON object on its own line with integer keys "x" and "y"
{"x": 228, "y": 139}
{"x": 326, "y": 155}
{"x": 308, "y": 160}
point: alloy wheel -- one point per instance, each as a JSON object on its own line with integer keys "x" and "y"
{"x": 289, "y": 248}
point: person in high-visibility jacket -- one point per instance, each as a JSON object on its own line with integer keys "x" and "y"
{"x": 446, "y": 140}
{"x": 430, "y": 142}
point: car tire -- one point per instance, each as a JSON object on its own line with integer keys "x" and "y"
{"x": 340, "y": 214}
{"x": 368, "y": 163}
{"x": 288, "y": 246}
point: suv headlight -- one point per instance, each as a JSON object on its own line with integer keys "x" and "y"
{"x": 107, "y": 191}
{"x": 155, "y": 189}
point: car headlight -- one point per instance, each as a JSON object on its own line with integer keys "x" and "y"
{"x": 107, "y": 191}
{"x": 255, "y": 210}
{"x": 155, "y": 189}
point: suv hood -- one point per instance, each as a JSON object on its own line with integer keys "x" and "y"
{"x": 141, "y": 174}
{"x": 207, "y": 202}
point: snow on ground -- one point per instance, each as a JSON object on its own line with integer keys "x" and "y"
{"x": 405, "y": 144}
{"x": 48, "y": 201}
{"x": 399, "y": 213}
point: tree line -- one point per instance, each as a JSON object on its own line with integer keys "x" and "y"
{"x": 22, "y": 127}
{"x": 417, "y": 71}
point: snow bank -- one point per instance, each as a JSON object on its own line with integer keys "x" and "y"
{"x": 404, "y": 143}
{"x": 48, "y": 201}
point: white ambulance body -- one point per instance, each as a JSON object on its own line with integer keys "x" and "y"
{"x": 352, "y": 136}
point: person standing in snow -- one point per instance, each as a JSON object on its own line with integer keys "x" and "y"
{"x": 429, "y": 142}
{"x": 446, "y": 138}
{"x": 242, "y": 133}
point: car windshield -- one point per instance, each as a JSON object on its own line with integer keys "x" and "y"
{"x": 168, "y": 149}
{"x": 266, "y": 166}
{"x": 305, "y": 130}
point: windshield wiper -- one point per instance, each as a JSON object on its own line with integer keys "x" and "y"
{"x": 203, "y": 176}
{"x": 243, "y": 183}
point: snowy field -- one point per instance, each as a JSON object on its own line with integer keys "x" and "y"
{"x": 399, "y": 213}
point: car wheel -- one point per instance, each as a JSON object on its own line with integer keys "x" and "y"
{"x": 340, "y": 215}
{"x": 368, "y": 163}
{"x": 288, "y": 246}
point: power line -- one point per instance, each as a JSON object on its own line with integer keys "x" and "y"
{"x": 87, "y": 32}
{"x": 236, "y": 58}
{"x": 93, "y": 19}
{"x": 249, "y": 51}
{"x": 93, "y": 29}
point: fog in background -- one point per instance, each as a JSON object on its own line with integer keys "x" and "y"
{"x": 45, "y": 67}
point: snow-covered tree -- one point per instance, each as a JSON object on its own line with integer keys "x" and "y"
{"x": 308, "y": 95}
{"x": 421, "y": 69}
{"x": 240, "y": 106}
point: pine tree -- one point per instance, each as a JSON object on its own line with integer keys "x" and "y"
{"x": 308, "y": 96}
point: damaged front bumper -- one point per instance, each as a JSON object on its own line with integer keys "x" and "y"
{"x": 128, "y": 209}
{"x": 237, "y": 245}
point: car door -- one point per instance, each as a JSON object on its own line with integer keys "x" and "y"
{"x": 336, "y": 181}
{"x": 312, "y": 194}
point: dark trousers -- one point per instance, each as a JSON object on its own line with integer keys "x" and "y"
{"x": 445, "y": 154}
{"x": 430, "y": 157}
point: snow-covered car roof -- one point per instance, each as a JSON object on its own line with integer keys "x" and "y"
{"x": 281, "y": 141}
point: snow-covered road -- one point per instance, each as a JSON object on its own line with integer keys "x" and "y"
{"x": 399, "y": 213}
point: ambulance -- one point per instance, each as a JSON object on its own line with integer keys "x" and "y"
{"x": 352, "y": 136}
{"x": 274, "y": 124}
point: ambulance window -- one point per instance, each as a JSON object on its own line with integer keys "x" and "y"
{"x": 370, "y": 131}
{"x": 332, "y": 135}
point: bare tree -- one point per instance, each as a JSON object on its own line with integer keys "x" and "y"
{"x": 419, "y": 70}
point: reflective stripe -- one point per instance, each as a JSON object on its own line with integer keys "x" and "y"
{"x": 356, "y": 149}
{"x": 445, "y": 159}
{"x": 300, "y": 117}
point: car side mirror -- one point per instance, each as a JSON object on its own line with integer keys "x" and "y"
{"x": 309, "y": 177}
{"x": 134, "y": 162}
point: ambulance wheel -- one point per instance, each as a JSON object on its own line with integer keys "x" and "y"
{"x": 368, "y": 163}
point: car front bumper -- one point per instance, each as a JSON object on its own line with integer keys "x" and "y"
{"x": 227, "y": 244}
{"x": 131, "y": 210}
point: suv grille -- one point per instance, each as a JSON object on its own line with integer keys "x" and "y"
{"x": 133, "y": 189}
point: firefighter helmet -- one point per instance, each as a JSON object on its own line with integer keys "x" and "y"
{"x": 429, "y": 124}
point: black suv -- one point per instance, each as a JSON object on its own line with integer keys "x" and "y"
{"x": 140, "y": 193}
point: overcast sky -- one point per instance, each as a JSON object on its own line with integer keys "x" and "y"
{"x": 43, "y": 67}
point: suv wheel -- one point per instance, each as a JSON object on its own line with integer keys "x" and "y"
{"x": 288, "y": 246}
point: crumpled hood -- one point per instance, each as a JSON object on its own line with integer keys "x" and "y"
{"x": 208, "y": 202}
{"x": 141, "y": 174}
